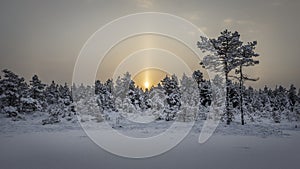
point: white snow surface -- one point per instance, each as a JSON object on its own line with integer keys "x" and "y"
{"x": 27, "y": 144}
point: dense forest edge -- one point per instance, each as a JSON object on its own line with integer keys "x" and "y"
{"x": 185, "y": 99}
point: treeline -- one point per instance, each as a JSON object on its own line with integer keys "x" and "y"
{"x": 17, "y": 98}
{"x": 186, "y": 99}
{"x": 227, "y": 56}
{"x": 189, "y": 98}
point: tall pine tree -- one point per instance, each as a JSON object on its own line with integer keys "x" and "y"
{"x": 224, "y": 56}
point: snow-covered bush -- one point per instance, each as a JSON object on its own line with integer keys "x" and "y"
{"x": 30, "y": 105}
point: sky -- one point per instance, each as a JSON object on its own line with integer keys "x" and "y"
{"x": 45, "y": 37}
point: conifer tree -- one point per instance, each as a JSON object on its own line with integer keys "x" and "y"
{"x": 246, "y": 58}
{"x": 222, "y": 58}
{"x": 14, "y": 88}
{"x": 172, "y": 90}
{"x": 292, "y": 95}
{"x": 37, "y": 92}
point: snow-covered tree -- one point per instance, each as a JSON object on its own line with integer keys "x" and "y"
{"x": 60, "y": 103}
{"x": 139, "y": 98}
{"x": 105, "y": 95}
{"x": 218, "y": 93}
{"x": 133, "y": 95}
{"x": 146, "y": 101}
{"x": 296, "y": 110}
{"x": 266, "y": 101}
{"x": 172, "y": 90}
{"x": 52, "y": 93}
{"x": 88, "y": 108}
{"x": 279, "y": 102}
{"x": 14, "y": 89}
{"x": 1, "y": 94}
{"x": 189, "y": 99}
{"x": 80, "y": 92}
{"x": 292, "y": 95}
{"x": 36, "y": 94}
{"x": 245, "y": 59}
{"x": 66, "y": 101}
{"x": 222, "y": 57}
{"x": 36, "y": 90}
{"x": 205, "y": 93}
{"x": 98, "y": 86}
{"x": 65, "y": 94}
{"x": 198, "y": 77}
{"x": 121, "y": 89}
{"x": 251, "y": 102}
{"x": 203, "y": 89}
{"x": 255, "y": 101}
{"x": 110, "y": 86}
{"x": 157, "y": 98}
{"x": 233, "y": 99}
{"x": 135, "y": 101}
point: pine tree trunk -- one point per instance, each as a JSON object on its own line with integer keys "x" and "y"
{"x": 200, "y": 98}
{"x": 241, "y": 96}
{"x": 227, "y": 100}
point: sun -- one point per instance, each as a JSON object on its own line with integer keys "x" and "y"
{"x": 146, "y": 84}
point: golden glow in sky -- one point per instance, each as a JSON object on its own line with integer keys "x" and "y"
{"x": 146, "y": 84}
{"x": 149, "y": 77}
{"x": 147, "y": 51}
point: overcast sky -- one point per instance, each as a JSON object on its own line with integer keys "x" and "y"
{"x": 45, "y": 37}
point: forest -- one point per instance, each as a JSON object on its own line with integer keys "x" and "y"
{"x": 184, "y": 98}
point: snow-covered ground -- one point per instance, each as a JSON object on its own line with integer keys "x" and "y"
{"x": 28, "y": 145}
